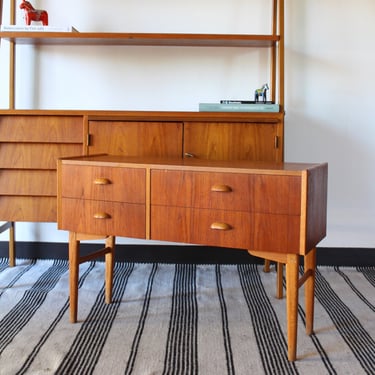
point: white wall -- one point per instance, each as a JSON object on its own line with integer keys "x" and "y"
{"x": 329, "y": 76}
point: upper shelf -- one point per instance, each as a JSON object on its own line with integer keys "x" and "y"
{"x": 139, "y": 39}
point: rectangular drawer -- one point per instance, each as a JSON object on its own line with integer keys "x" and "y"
{"x": 104, "y": 183}
{"x": 226, "y": 191}
{"x": 103, "y": 218}
{"x": 202, "y": 226}
{"x": 27, "y": 182}
{"x": 33, "y": 209}
{"x": 41, "y": 129}
{"x": 277, "y": 194}
{"x": 35, "y": 155}
{"x": 281, "y": 233}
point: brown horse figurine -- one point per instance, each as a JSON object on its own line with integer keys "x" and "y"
{"x": 32, "y": 14}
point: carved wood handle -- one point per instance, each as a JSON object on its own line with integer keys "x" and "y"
{"x": 102, "y": 215}
{"x": 102, "y": 181}
{"x": 221, "y": 188}
{"x": 220, "y": 226}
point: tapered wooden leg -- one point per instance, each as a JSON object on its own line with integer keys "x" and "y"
{"x": 267, "y": 264}
{"x": 310, "y": 265}
{"x": 109, "y": 266}
{"x": 12, "y": 245}
{"x": 73, "y": 275}
{"x": 279, "y": 283}
{"x": 292, "y": 303}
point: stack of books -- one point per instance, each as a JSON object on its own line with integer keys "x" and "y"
{"x": 239, "y": 106}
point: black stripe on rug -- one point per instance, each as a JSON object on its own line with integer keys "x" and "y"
{"x": 85, "y": 351}
{"x": 368, "y": 273}
{"x": 17, "y": 276}
{"x": 141, "y": 323}
{"x": 225, "y": 324}
{"x": 33, "y": 298}
{"x": 181, "y": 355}
{"x": 347, "y": 324}
{"x": 266, "y": 326}
{"x": 51, "y": 328}
{"x": 355, "y": 290}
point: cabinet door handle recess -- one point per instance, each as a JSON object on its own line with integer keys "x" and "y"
{"x": 102, "y": 181}
{"x": 221, "y": 188}
{"x": 102, "y": 215}
{"x": 220, "y": 226}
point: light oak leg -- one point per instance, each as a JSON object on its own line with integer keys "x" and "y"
{"x": 267, "y": 264}
{"x": 73, "y": 275}
{"x": 292, "y": 303}
{"x": 12, "y": 245}
{"x": 310, "y": 266}
{"x": 109, "y": 266}
{"x": 279, "y": 283}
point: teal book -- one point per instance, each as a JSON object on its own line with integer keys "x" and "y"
{"x": 238, "y": 107}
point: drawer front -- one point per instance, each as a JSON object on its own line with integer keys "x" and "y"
{"x": 103, "y": 218}
{"x": 27, "y": 182}
{"x": 201, "y": 226}
{"x": 104, "y": 183}
{"x": 32, "y": 209}
{"x": 35, "y": 155}
{"x": 277, "y": 194}
{"x": 277, "y": 233}
{"x": 226, "y": 191}
{"x": 222, "y": 228}
{"x": 41, "y": 129}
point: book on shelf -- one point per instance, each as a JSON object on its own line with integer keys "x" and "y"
{"x": 41, "y": 28}
{"x": 239, "y": 107}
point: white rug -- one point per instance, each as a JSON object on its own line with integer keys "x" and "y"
{"x": 180, "y": 319}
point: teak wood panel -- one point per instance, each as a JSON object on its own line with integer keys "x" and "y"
{"x": 228, "y": 191}
{"x": 132, "y": 138}
{"x": 27, "y": 182}
{"x": 41, "y": 129}
{"x": 35, "y": 155}
{"x": 34, "y": 209}
{"x": 103, "y": 217}
{"x": 201, "y": 226}
{"x": 105, "y": 183}
{"x": 232, "y": 141}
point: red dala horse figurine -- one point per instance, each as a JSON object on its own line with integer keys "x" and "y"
{"x": 32, "y": 14}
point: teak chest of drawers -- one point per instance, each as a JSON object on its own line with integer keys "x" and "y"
{"x": 276, "y": 211}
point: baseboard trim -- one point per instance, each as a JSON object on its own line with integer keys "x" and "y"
{"x": 186, "y": 254}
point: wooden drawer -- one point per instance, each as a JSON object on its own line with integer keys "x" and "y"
{"x": 41, "y": 129}
{"x": 226, "y": 191}
{"x": 103, "y": 218}
{"x": 104, "y": 183}
{"x": 34, "y": 209}
{"x": 201, "y": 226}
{"x": 277, "y": 233}
{"x": 276, "y": 194}
{"x": 35, "y": 155}
{"x": 27, "y": 182}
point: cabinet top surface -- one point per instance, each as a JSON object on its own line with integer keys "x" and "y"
{"x": 191, "y": 164}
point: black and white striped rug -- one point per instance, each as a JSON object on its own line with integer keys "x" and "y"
{"x": 180, "y": 319}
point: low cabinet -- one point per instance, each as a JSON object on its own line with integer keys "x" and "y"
{"x": 276, "y": 211}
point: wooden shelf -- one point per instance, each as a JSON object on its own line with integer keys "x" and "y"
{"x": 140, "y": 39}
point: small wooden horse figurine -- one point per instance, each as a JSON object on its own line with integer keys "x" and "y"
{"x": 261, "y": 92}
{"x": 32, "y": 14}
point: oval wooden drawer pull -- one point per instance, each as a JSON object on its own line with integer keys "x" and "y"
{"x": 221, "y": 188}
{"x": 102, "y": 181}
{"x": 220, "y": 226}
{"x": 102, "y": 215}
